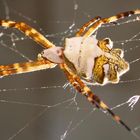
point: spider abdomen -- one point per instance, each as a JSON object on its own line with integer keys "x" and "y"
{"x": 93, "y": 61}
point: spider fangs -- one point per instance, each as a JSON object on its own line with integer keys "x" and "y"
{"x": 96, "y": 62}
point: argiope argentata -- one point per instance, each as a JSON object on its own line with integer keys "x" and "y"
{"x": 84, "y": 59}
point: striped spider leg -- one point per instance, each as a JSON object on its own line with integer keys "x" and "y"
{"x": 91, "y": 97}
{"x": 28, "y": 31}
{"x": 18, "y": 68}
{"x": 111, "y": 19}
{"x": 87, "y": 25}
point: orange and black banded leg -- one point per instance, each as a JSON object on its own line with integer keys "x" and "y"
{"x": 28, "y": 31}
{"x": 87, "y": 25}
{"x": 19, "y": 68}
{"x": 98, "y": 24}
{"x": 91, "y": 97}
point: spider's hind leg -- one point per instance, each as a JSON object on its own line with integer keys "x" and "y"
{"x": 91, "y": 97}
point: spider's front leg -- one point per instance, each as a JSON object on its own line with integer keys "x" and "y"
{"x": 91, "y": 97}
{"x": 19, "y": 68}
{"x": 86, "y": 26}
{"x": 102, "y": 21}
{"x": 28, "y": 31}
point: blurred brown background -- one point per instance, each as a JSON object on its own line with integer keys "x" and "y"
{"x": 20, "y": 110}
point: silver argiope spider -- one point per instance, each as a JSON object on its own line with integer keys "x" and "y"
{"x": 84, "y": 59}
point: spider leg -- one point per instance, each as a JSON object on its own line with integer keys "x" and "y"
{"x": 86, "y": 26}
{"x": 112, "y": 19}
{"x": 18, "y": 68}
{"x": 91, "y": 97}
{"x": 28, "y": 31}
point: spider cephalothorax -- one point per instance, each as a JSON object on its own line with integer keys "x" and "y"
{"x": 83, "y": 58}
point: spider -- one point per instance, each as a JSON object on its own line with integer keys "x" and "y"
{"x": 84, "y": 59}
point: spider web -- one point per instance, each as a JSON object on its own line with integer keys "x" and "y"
{"x": 46, "y": 106}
